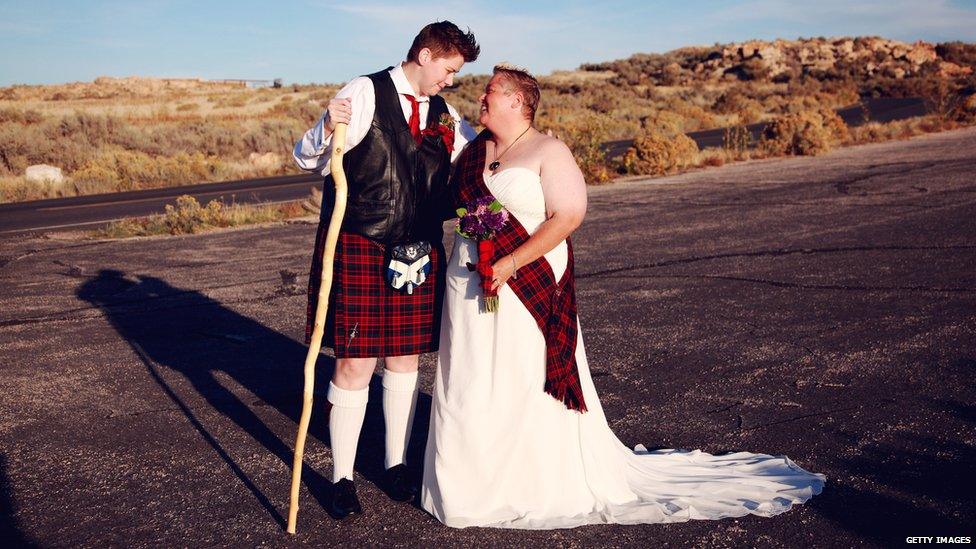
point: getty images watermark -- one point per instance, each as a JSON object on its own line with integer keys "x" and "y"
{"x": 938, "y": 539}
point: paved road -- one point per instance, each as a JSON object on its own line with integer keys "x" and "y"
{"x": 95, "y": 210}
{"x": 822, "y": 308}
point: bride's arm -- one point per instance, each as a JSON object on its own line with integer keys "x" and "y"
{"x": 565, "y": 193}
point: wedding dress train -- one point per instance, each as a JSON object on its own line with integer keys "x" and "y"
{"x": 503, "y": 453}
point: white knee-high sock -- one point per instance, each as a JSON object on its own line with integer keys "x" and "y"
{"x": 345, "y": 422}
{"x": 399, "y": 405}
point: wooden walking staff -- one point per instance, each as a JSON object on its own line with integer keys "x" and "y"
{"x": 331, "y": 238}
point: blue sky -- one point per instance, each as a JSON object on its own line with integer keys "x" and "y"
{"x": 44, "y": 41}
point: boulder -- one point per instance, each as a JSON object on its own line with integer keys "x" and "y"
{"x": 952, "y": 70}
{"x": 770, "y": 53}
{"x": 844, "y": 49}
{"x": 921, "y": 52}
{"x": 41, "y": 173}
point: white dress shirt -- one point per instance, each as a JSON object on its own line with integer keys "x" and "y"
{"x": 311, "y": 151}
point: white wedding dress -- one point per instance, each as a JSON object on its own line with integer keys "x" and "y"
{"x": 501, "y": 452}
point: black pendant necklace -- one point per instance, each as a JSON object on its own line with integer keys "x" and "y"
{"x": 495, "y": 163}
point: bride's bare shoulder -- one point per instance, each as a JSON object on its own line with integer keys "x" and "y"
{"x": 554, "y": 150}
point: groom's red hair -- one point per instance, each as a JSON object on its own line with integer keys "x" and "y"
{"x": 444, "y": 39}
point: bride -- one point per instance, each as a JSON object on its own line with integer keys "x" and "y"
{"x": 518, "y": 438}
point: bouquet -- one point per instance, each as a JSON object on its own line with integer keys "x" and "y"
{"x": 481, "y": 220}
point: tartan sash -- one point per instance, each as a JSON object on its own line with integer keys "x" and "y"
{"x": 551, "y": 303}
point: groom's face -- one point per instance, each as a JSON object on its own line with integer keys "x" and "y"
{"x": 438, "y": 73}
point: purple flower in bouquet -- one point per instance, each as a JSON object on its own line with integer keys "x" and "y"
{"x": 495, "y": 221}
{"x": 481, "y": 219}
{"x": 472, "y": 224}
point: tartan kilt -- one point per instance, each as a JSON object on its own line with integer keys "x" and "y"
{"x": 367, "y": 318}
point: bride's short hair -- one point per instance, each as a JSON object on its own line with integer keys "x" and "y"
{"x": 524, "y": 83}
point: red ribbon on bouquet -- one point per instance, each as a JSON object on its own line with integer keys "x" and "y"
{"x": 486, "y": 250}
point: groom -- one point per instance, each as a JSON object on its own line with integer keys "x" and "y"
{"x": 389, "y": 262}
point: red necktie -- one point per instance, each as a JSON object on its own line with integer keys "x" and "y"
{"x": 414, "y": 122}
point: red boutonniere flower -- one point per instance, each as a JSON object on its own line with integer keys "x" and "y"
{"x": 445, "y": 129}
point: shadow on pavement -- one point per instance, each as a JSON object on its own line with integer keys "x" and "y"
{"x": 184, "y": 331}
{"x": 10, "y": 533}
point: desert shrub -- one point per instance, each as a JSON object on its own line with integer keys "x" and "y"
{"x": 873, "y": 132}
{"x": 957, "y": 52}
{"x": 753, "y": 69}
{"x": 808, "y": 132}
{"x": 834, "y": 124}
{"x": 950, "y": 101}
{"x": 736, "y": 141}
{"x": 22, "y": 146}
{"x": 657, "y": 153}
{"x": 585, "y": 135}
{"x": 665, "y": 121}
{"x": 121, "y": 170}
{"x": 693, "y": 117}
{"x": 670, "y": 74}
{"x": 712, "y": 157}
{"x": 321, "y": 95}
{"x": 274, "y": 135}
{"x": 186, "y": 217}
{"x": 189, "y": 217}
{"x": 734, "y": 101}
{"x": 234, "y": 101}
{"x": 18, "y": 189}
{"x": 305, "y": 111}
{"x": 968, "y": 108}
{"x": 20, "y": 116}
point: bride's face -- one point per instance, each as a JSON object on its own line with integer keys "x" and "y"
{"x": 496, "y": 101}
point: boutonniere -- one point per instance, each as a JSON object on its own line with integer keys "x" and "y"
{"x": 445, "y": 128}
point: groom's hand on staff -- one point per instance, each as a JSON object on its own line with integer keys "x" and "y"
{"x": 339, "y": 112}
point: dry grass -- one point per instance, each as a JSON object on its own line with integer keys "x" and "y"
{"x": 118, "y": 134}
{"x": 874, "y": 132}
{"x": 188, "y": 216}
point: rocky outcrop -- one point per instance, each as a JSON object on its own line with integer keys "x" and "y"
{"x": 863, "y": 56}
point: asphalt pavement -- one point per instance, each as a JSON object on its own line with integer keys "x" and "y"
{"x": 820, "y": 308}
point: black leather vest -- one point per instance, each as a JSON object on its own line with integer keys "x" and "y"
{"x": 396, "y": 187}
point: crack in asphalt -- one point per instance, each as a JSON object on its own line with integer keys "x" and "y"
{"x": 843, "y": 186}
{"x": 795, "y": 285}
{"x": 756, "y": 327}
{"x": 797, "y": 418}
{"x": 768, "y": 253}
{"x": 5, "y": 261}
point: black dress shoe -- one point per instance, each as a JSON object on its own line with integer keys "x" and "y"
{"x": 343, "y": 501}
{"x": 398, "y": 483}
